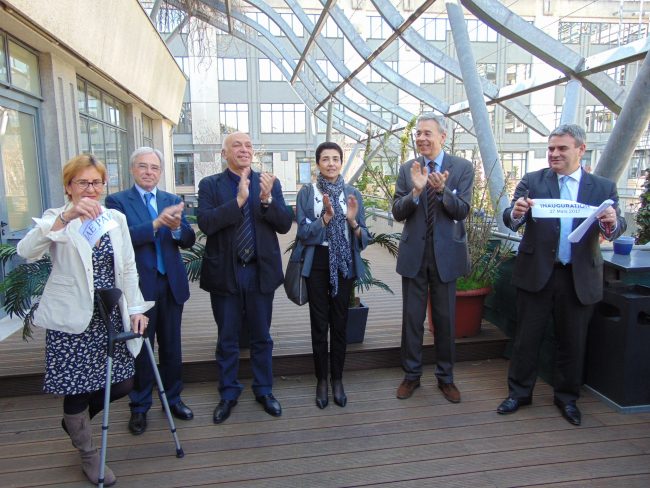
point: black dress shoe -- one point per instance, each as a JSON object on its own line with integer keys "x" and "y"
{"x": 569, "y": 411}
{"x": 181, "y": 411}
{"x": 321, "y": 394}
{"x": 271, "y": 405}
{"x": 222, "y": 412}
{"x": 511, "y": 405}
{"x": 339, "y": 393}
{"x": 138, "y": 423}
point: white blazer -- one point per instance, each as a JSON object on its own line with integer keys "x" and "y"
{"x": 68, "y": 298}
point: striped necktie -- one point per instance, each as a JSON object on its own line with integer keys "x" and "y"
{"x": 245, "y": 244}
{"x": 160, "y": 262}
{"x": 431, "y": 200}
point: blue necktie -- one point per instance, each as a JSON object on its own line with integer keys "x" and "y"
{"x": 160, "y": 263}
{"x": 245, "y": 244}
{"x": 566, "y": 225}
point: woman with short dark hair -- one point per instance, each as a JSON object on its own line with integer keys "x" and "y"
{"x": 332, "y": 232}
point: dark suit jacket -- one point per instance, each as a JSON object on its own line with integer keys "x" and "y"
{"x": 131, "y": 204}
{"x": 449, "y": 236}
{"x": 538, "y": 248}
{"x": 219, "y": 217}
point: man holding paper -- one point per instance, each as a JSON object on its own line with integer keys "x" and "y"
{"x": 158, "y": 229}
{"x": 554, "y": 276}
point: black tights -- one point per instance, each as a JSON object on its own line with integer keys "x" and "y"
{"x": 94, "y": 401}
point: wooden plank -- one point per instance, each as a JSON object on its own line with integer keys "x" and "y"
{"x": 376, "y": 439}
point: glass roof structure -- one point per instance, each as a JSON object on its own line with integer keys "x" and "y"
{"x": 298, "y": 58}
{"x": 296, "y": 36}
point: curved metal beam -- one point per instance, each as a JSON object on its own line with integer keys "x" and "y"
{"x": 320, "y": 75}
{"x": 428, "y": 51}
{"x": 332, "y": 57}
{"x": 382, "y": 68}
{"x": 305, "y": 94}
{"x": 548, "y": 49}
{"x": 310, "y": 42}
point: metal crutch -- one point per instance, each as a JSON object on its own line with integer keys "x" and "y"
{"x": 107, "y": 299}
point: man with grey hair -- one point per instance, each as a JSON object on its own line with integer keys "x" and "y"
{"x": 432, "y": 198}
{"x": 556, "y": 278}
{"x": 158, "y": 229}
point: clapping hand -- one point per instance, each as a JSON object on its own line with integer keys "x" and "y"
{"x": 329, "y": 210}
{"x": 353, "y": 209}
{"x": 419, "y": 176}
{"x": 242, "y": 188}
{"x": 266, "y": 185}
{"x": 171, "y": 216}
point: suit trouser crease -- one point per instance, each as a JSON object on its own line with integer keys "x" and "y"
{"x": 165, "y": 326}
{"x": 415, "y": 291}
{"x": 328, "y": 313}
{"x": 231, "y": 312}
{"x": 558, "y": 300}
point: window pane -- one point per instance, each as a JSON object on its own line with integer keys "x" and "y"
{"x": 20, "y": 165}
{"x": 3, "y": 60}
{"x": 94, "y": 101}
{"x": 84, "y": 139}
{"x": 97, "y": 140}
{"x": 112, "y": 152}
{"x": 120, "y": 114}
{"x": 24, "y": 69}
{"x": 184, "y": 169}
{"x": 81, "y": 96}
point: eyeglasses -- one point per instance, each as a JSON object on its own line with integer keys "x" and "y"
{"x": 84, "y": 184}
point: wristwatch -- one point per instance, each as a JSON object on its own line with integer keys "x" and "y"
{"x": 267, "y": 201}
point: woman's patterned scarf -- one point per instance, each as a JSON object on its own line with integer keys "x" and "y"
{"x": 339, "y": 248}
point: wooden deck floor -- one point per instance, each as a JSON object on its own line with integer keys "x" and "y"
{"x": 377, "y": 440}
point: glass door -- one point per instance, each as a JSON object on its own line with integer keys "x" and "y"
{"x": 20, "y": 182}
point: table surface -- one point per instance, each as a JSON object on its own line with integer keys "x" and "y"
{"x": 637, "y": 260}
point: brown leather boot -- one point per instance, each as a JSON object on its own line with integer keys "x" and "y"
{"x": 79, "y": 429}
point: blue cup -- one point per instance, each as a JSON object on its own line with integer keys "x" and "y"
{"x": 623, "y": 245}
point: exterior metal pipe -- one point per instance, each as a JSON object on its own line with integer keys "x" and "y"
{"x": 629, "y": 128}
{"x": 478, "y": 109}
{"x": 570, "y": 104}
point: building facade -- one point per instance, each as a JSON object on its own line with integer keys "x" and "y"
{"x": 78, "y": 76}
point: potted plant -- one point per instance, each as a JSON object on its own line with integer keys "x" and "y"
{"x": 22, "y": 287}
{"x": 486, "y": 255}
{"x": 643, "y": 212}
{"x": 358, "y": 312}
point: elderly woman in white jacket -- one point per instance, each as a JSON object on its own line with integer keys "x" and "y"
{"x": 76, "y": 339}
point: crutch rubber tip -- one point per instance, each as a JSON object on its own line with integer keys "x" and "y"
{"x": 180, "y": 453}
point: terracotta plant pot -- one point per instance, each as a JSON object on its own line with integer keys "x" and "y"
{"x": 469, "y": 312}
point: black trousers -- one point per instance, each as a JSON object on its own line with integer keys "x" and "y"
{"x": 327, "y": 313}
{"x": 570, "y": 319}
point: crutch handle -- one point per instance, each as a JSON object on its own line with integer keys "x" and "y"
{"x": 126, "y": 336}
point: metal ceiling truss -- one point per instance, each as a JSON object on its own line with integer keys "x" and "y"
{"x": 334, "y": 59}
{"x": 311, "y": 90}
{"x": 434, "y": 55}
{"x": 548, "y": 49}
{"x": 310, "y": 42}
{"x": 588, "y": 71}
